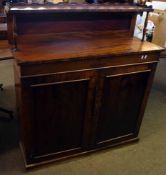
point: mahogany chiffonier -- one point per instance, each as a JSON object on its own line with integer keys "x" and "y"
{"x": 82, "y": 79}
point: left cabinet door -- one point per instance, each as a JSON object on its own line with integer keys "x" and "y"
{"x": 56, "y": 110}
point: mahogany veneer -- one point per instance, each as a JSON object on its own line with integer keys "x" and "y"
{"x": 79, "y": 89}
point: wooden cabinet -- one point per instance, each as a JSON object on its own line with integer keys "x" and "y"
{"x": 79, "y": 111}
{"x": 83, "y": 83}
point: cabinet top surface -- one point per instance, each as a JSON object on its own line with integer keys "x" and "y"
{"x": 77, "y": 7}
{"x": 73, "y": 46}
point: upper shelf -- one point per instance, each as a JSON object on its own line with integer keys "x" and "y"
{"x": 77, "y": 7}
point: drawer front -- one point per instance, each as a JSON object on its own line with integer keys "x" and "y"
{"x": 88, "y": 64}
{"x": 140, "y": 58}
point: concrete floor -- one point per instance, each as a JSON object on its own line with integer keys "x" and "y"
{"x": 145, "y": 157}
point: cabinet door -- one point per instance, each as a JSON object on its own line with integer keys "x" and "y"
{"x": 122, "y": 95}
{"x": 59, "y": 109}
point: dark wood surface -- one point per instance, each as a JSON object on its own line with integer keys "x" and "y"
{"x": 119, "y": 104}
{"x": 66, "y": 104}
{"x": 66, "y": 127}
{"x": 69, "y": 108}
{"x": 33, "y": 49}
{"x": 78, "y": 7}
{"x": 74, "y": 22}
{"x": 83, "y": 82}
{"x": 75, "y": 17}
{"x": 72, "y": 112}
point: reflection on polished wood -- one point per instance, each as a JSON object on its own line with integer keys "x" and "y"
{"x": 78, "y": 7}
{"x": 78, "y": 46}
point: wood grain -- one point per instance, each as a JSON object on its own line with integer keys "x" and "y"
{"x": 38, "y": 48}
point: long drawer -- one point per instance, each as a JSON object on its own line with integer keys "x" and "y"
{"x": 86, "y": 64}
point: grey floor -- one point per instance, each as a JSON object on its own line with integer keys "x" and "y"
{"x": 148, "y": 156}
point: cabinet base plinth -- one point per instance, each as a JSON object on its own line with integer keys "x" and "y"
{"x": 52, "y": 158}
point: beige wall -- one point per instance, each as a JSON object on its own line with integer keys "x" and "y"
{"x": 159, "y": 36}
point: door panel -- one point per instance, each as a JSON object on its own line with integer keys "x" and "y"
{"x": 60, "y": 108}
{"x": 121, "y": 101}
{"x": 59, "y": 111}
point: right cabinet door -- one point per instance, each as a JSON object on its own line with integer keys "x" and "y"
{"x": 122, "y": 95}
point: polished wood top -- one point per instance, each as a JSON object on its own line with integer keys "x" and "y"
{"x": 44, "y": 48}
{"x": 77, "y": 7}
